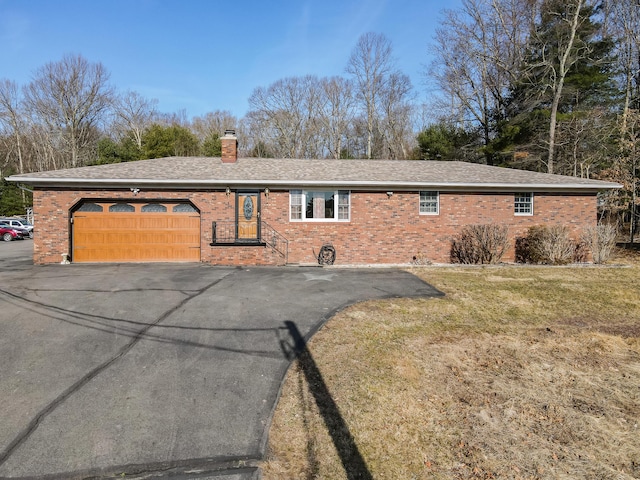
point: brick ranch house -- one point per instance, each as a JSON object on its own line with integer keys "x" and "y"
{"x": 258, "y": 211}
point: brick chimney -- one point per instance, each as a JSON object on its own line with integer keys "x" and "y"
{"x": 229, "y": 147}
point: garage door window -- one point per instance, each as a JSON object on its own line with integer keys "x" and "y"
{"x": 154, "y": 207}
{"x": 184, "y": 208}
{"x": 122, "y": 208}
{"x": 90, "y": 207}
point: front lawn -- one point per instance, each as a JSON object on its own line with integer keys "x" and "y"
{"x": 518, "y": 372}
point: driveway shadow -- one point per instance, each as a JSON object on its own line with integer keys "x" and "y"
{"x": 352, "y": 461}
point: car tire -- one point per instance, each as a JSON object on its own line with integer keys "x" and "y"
{"x": 31, "y": 234}
{"x": 7, "y": 237}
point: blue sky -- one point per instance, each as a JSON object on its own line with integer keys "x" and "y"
{"x": 206, "y": 55}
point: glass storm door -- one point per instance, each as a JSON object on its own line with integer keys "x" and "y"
{"x": 248, "y": 216}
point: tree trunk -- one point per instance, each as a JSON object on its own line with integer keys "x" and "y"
{"x": 562, "y": 73}
{"x": 552, "y": 126}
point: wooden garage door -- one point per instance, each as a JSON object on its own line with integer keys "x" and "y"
{"x": 136, "y": 232}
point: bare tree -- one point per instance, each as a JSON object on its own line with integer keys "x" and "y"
{"x": 12, "y": 118}
{"x": 133, "y": 114}
{"x": 179, "y": 118}
{"x": 371, "y": 63}
{"x": 566, "y": 55}
{"x": 71, "y": 97}
{"x": 336, "y": 112}
{"x": 285, "y": 116}
{"x": 396, "y": 108}
{"x": 623, "y": 21}
{"x": 584, "y": 142}
{"x": 478, "y": 52}
{"x": 213, "y": 124}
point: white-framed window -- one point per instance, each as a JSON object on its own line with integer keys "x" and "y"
{"x": 523, "y": 204}
{"x": 429, "y": 203}
{"x": 319, "y": 205}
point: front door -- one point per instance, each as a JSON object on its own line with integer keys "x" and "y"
{"x": 248, "y": 216}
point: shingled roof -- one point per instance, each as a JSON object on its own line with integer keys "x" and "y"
{"x": 207, "y": 172}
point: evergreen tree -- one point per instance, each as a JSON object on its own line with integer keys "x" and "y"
{"x": 567, "y": 71}
{"x": 442, "y": 141}
{"x": 169, "y": 141}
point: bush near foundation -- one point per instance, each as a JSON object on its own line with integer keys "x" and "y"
{"x": 549, "y": 245}
{"x": 600, "y": 240}
{"x": 480, "y": 244}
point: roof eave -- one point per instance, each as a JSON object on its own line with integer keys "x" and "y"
{"x": 238, "y": 183}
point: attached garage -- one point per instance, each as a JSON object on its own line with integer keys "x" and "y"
{"x": 130, "y": 231}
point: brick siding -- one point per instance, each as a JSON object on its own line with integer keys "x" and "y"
{"x": 382, "y": 230}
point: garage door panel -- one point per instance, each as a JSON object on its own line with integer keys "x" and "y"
{"x": 120, "y": 238}
{"x": 153, "y": 238}
{"x": 119, "y": 223}
{"x": 181, "y": 222}
{"x": 139, "y": 236}
{"x": 154, "y": 223}
{"x": 185, "y": 238}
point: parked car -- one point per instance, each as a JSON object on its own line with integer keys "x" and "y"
{"x": 18, "y": 224}
{"x": 7, "y": 234}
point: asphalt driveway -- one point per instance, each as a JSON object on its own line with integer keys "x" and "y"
{"x": 155, "y": 369}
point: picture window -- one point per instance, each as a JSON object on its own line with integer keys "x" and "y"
{"x": 319, "y": 205}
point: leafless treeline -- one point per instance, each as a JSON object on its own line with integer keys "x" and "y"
{"x": 366, "y": 115}
{"x": 59, "y": 119}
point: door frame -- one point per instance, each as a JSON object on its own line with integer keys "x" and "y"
{"x": 257, "y": 214}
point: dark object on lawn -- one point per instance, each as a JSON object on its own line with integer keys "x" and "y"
{"x": 327, "y": 254}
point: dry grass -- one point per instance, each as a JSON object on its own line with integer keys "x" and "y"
{"x": 519, "y": 372}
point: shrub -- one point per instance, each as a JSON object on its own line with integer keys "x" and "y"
{"x": 480, "y": 244}
{"x": 546, "y": 244}
{"x": 600, "y": 240}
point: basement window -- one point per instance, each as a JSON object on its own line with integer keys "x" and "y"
{"x": 429, "y": 203}
{"x": 523, "y": 204}
{"x": 319, "y": 205}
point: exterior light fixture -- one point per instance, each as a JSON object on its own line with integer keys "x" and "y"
{"x": 266, "y": 192}
{"x": 135, "y": 190}
{"x": 227, "y": 191}
{"x": 389, "y": 194}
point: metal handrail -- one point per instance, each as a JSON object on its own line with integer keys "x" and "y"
{"x": 224, "y": 232}
{"x": 271, "y": 237}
